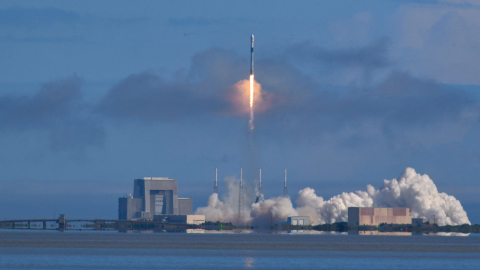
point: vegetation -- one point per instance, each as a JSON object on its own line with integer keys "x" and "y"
{"x": 209, "y": 225}
{"x": 427, "y": 228}
{"x": 337, "y": 227}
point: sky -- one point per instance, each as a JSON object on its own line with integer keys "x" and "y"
{"x": 94, "y": 94}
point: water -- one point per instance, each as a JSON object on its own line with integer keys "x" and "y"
{"x": 112, "y": 250}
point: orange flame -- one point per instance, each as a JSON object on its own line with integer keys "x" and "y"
{"x": 247, "y": 96}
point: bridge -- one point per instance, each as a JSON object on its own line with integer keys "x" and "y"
{"x": 63, "y": 224}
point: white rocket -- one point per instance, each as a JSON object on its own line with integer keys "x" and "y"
{"x": 251, "y": 59}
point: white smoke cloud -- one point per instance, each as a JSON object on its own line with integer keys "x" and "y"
{"x": 226, "y": 208}
{"x": 333, "y": 210}
{"x": 272, "y": 210}
{"x": 410, "y": 189}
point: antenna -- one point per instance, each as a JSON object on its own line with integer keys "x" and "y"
{"x": 215, "y": 188}
{"x": 285, "y": 189}
{"x": 240, "y": 199}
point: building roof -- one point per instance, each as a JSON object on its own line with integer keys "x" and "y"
{"x": 156, "y": 178}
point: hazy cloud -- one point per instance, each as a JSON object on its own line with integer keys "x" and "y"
{"x": 58, "y": 107}
{"x": 399, "y": 107}
{"x": 372, "y": 56}
{"x": 147, "y": 97}
{"x": 439, "y": 42}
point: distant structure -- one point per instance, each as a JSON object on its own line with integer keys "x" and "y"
{"x": 285, "y": 189}
{"x": 299, "y": 220}
{"x": 370, "y": 216}
{"x": 240, "y": 199}
{"x": 215, "y": 187}
{"x": 153, "y": 196}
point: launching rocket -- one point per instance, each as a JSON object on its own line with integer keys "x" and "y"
{"x": 250, "y": 122}
{"x": 251, "y": 59}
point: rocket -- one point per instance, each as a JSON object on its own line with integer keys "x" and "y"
{"x": 251, "y": 59}
{"x": 250, "y": 122}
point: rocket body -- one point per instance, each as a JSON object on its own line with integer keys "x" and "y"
{"x": 250, "y": 122}
{"x": 251, "y": 59}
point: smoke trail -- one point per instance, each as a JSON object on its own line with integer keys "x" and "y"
{"x": 250, "y": 122}
{"x": 410, "y": 189}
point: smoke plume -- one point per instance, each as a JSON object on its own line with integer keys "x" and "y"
{"x": 410, "y": 189}
{"x": 226, "y": 208}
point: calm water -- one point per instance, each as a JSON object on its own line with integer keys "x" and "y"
{"x": 109, "y": 250}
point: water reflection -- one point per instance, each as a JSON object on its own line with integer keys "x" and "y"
{"x": 448, "y": 234}
{"x": 249, "y": 262}
{"x": 379, "y": 233}
{"x": 294, "y": 232}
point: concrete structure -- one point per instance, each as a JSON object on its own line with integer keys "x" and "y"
{"x": 185, "y": 206}
{"x": 299, "y": 220}
{"x": 153, "y": 196}
{"x": 371, "y": 216}
{"x": 180, "y": 219}
{"x": 424, "y": 220}
{"x": 127, "y": 207}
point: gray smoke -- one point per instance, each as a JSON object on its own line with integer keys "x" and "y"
{"x": 410, "y": 189}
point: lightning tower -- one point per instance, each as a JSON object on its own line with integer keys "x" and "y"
{"x": 259, "y": 196}
{"x": 215, "y": 187}
{"x": 260, "y": 183}
{"x": 240, "y": 199}
{"x": 285, "y": 189}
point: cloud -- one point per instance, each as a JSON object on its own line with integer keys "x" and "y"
{"x": 439, "y": 42}
{"x": 147, "y": 97}
{"x": 206, "y": 89}
{"x": 461, "y": 3}
{"x": 341, "y": 63}
{"x": 404, "y": 110}
{"x": 400, "y": 108}
{"x": 58, "y": 107}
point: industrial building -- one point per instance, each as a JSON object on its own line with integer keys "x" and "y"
{"x": 373, "y": 216}
{"x": 153, "y": 196}
{"x": 299, "y": 220}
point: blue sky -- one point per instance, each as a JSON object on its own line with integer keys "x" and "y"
{"x": 95, "y": 94}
